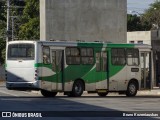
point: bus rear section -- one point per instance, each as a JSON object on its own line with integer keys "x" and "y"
{"x": 20, "y": 70}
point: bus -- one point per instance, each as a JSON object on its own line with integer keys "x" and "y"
{"x": 73, "y": 67}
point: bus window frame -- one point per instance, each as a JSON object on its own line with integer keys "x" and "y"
{"x": 48, "y": 55}
{"x": 87, "y": 56}
{"x": 102, "y": 64}
{"x": 72, "y": 55}
{"x": 98, "y": 52}
{"x": 112, "y": 56}
{"x": 17, "y": 58}
{"x": 101, "y": 61}
{"x": 132, "y": 57}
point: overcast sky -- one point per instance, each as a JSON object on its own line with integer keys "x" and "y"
{"x": 138, "y": 5}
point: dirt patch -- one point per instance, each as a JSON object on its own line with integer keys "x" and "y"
{"x": 1, "y": 80}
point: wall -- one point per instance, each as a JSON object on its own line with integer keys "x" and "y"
{"x": 89, "y": 20}
{"x": 136, "y": 36}
{"x": 156, "y": 40}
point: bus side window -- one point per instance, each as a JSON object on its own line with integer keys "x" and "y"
{"x": 46, "y": 55}
{"x": 101, "y": 61}
{"x": 87, "y": 56}
{"x": 98, "y": 64}
{"x": 73, "y": 56}
{"x": 118, "y": 56}
{"x": 104, "y": 61}
{"x": 132, "y": 57}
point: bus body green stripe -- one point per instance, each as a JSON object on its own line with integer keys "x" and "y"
{"x": 94, "y": 45}
{"x": 43, "y": 65}
{"x": 120, "y": 45}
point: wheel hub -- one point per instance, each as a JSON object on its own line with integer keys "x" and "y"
{"x": 132, "y": 89}
{"x": 78, "y": 88}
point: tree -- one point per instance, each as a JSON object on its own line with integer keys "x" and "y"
{"x": 2, "y": 41}
{"x": 13, "y": 12}
{"x": 2, "y": 11}
{"x": 147, "y": 21}
{"x": 30, "y": 21}
{"x": 16, "y": 11}
{"x": 134, "y": 23}
{"x": 152, "y": 15}
{"x": 2, "y": 31}
{"x": 26, "y": 22}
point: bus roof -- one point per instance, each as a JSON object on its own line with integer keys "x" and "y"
{"x": 85, "y": 44}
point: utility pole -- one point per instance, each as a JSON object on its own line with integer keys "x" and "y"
{"x": 12, "y": 28}
{"x": 12, "y": 21}
{"x": 11, "y": 18}
{"x": 8, "y": 19}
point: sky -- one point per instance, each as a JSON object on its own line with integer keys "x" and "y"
{"x": 138, "y": 6}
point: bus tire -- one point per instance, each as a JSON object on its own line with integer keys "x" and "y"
{"x": 132, "y": 89}
{"x": 46, "y": 93}
{"x": 102, "y": 94}
{"x": 77, "y": 89}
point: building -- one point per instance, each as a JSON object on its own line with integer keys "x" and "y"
{"x": 152, "y": 38}
{"x": 88, "y": 20}
{"x": 145, "y": 37}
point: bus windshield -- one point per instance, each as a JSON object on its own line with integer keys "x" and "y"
{"x": 21, "y": 51}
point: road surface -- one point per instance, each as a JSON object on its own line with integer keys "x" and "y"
{"x": 111, "y": 106}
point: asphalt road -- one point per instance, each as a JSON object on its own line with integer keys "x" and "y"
{"x": 88, "y": 106}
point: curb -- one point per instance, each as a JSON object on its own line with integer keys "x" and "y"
{"x": 149, "y": 92}
{"x": 152, "y": 92}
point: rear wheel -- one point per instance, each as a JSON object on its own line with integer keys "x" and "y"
{"x": 102, "y": 94}
{"x": 77, "y": 89}
{"x": 46, "y": 93}
{"x": 132, "y": 89}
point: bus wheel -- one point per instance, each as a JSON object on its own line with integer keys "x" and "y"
{"x": 102, "y": 94}
{"x": 46, "y": 93}
{"x": 132, "y": 89}
{"x": 77, "y": 89}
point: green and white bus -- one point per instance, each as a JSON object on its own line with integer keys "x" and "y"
{"x": 74, "y": 67}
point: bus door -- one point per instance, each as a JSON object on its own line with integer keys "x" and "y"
{"x": 101, "y": 71}
{"x": 57, "y": 61}
{"x": 146, "y": 69}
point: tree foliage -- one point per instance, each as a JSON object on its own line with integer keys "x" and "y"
{"x": 2, "y": 11}
{"x": 147, "y": 21}
{"x": 135, "y": 23}
{"x": 152, "y": 15}
{"x": 2, "y": 31}
{"x": 26, "y": 23}
{"x": 30, "y": 21}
